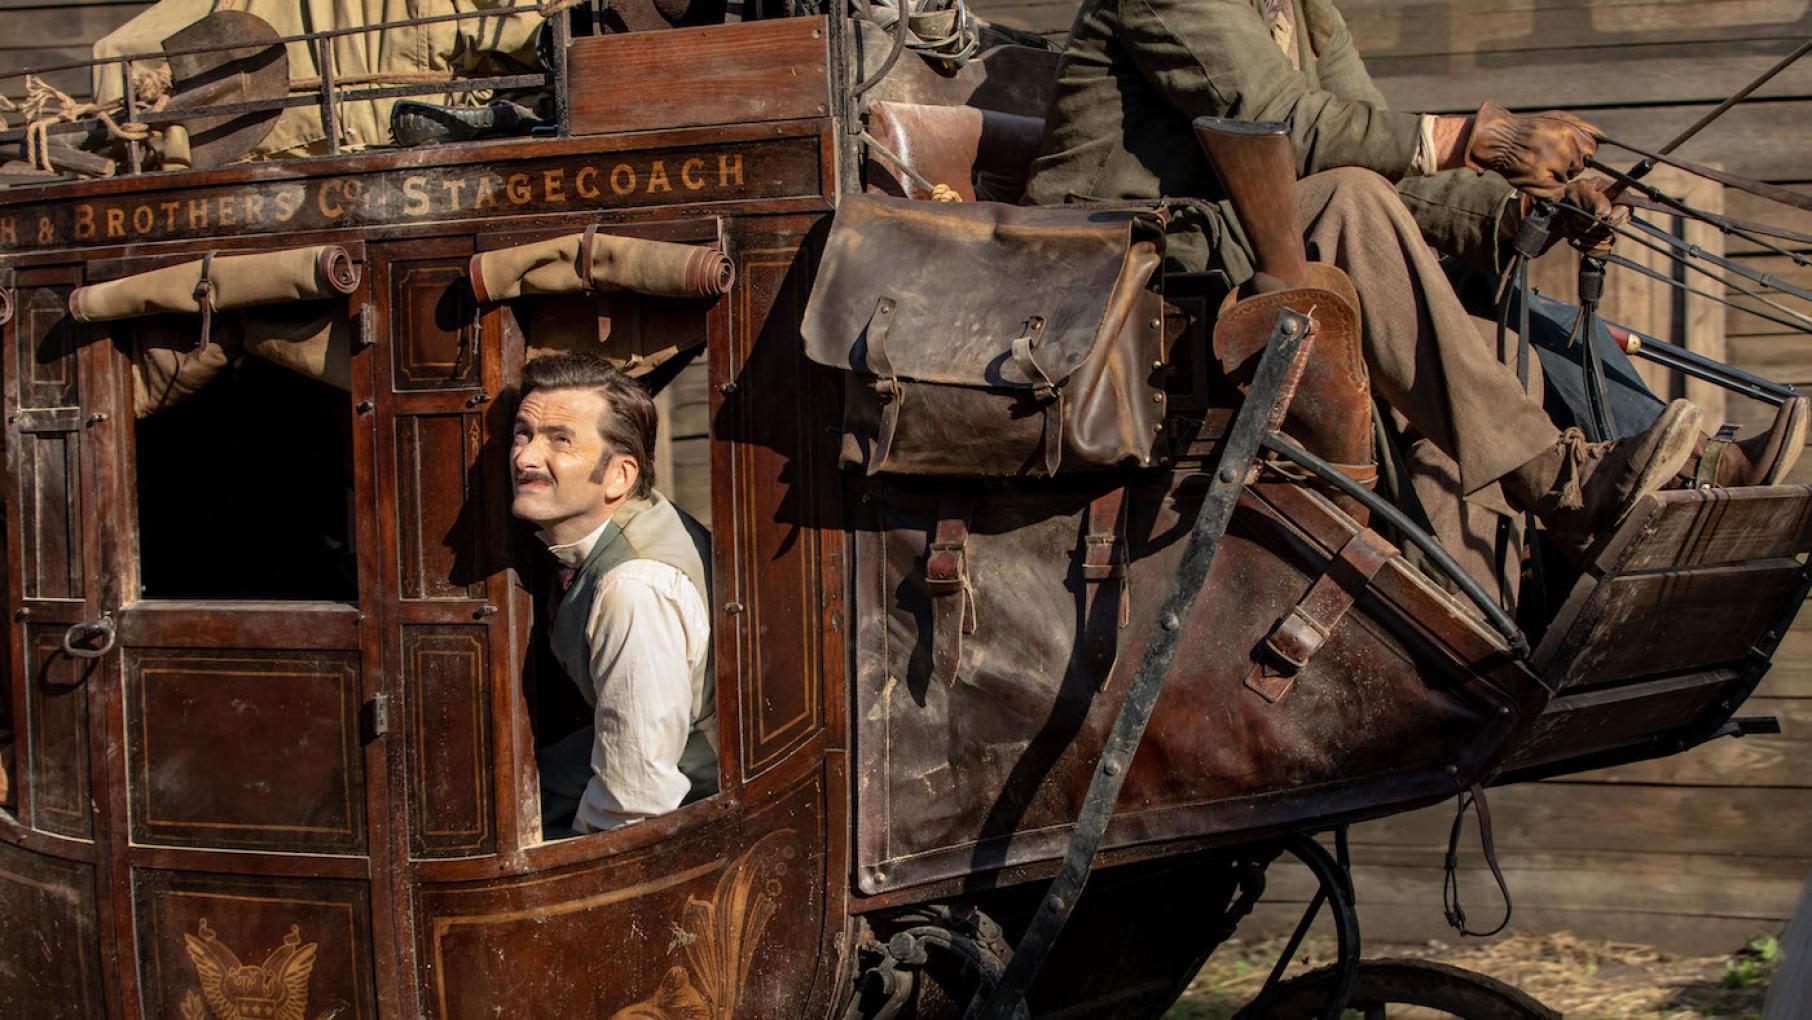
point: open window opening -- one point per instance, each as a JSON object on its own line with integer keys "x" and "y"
{"x": 244, "y": 463}
{"x": 659, "y": 342}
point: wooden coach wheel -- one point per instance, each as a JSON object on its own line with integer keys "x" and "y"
{"x": 1385, "y": 983}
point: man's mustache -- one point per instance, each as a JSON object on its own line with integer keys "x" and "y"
{"x": 534, "y": 476}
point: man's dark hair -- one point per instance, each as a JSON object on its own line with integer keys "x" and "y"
{"x": 629, "y": 424}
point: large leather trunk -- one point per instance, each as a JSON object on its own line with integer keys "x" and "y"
{"x": 982, "y": 765}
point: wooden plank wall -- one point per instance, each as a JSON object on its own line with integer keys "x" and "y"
{"x": 1699, "y": 851}
{"x": 39, "y": 33}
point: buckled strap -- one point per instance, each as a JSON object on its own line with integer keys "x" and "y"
{"x": 1105, "y": 607}
{"x": 952, "y": 596}
{"x": 887, "y": 386}
{"x": 1707, "y": 474}
{"x": 204, "y": 296}
{"x": 1023, "y": 348}
{"x": 1043, "y": 387}
{"x": 584, "y": 262}
{"x": 1302, "y": 631}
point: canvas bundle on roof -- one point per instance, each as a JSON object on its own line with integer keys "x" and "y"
{"x": 277, "y": 300}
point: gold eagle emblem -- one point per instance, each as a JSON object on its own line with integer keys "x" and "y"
{"x": 277, "y": 989}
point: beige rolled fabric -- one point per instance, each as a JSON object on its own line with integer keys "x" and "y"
{"x": 235, "y": 281}
{"x": 599, "y": 261}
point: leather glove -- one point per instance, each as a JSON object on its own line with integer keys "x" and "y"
{"x": 1538, "y": 153}
{"x": 1590, "y": 234}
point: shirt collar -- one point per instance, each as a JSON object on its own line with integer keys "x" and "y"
{"x": 572, "y": 554}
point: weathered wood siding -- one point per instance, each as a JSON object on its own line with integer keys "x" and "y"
{"x": 1698, "y": 851}
{"x": 41, "y": 33}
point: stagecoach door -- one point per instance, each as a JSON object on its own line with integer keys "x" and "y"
{"x": 53, "y": 866}
{"x": 214, "y": 730}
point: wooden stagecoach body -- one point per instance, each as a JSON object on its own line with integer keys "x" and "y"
{"x": 341, "y": 795}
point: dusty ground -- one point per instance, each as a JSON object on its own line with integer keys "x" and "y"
{"x": 1584, "y": 980}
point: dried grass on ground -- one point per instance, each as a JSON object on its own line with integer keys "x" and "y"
{"x": 1581, "y": 978}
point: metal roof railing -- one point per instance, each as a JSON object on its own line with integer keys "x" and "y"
{"x": 329, "y": 92}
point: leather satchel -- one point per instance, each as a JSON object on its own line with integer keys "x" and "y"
{"x": 987, "y": 340}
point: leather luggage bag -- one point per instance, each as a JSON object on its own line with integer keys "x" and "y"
{"x": 988, "y": 340}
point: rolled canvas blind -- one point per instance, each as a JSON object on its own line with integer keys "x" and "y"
{"x": 601, "y": 262}
{"x": 226, "y": 282}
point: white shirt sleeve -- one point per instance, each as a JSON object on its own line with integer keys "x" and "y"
{"x": 647, "y": 632}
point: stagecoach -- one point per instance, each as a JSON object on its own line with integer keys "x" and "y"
{"x": 1017, "y": 705}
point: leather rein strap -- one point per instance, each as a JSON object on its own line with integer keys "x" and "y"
{"x": 1264, "y": 405}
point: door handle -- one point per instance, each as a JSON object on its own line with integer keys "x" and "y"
{"x": 80, "y": 640}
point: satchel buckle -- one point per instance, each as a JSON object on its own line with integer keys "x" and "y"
{"x": 947, "y": 568}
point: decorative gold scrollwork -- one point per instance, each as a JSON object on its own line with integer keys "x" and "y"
{"x": 720, "y": 935}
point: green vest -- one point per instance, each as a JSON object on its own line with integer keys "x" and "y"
{"x": 651, "y": 529}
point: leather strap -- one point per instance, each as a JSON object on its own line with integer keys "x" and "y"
{"x": 1450, "y": 883}
{"x": 1044, "y": 388}
{"x": 1302, "y": 631}
{"x": 1707, "y": 474}
{"x": 887, "y": 385}
{"x": 204, "y": 296}
{"x": 1105, "y": 607}
{"x": 584, "y": 264}
{"x": 952, "y": 596}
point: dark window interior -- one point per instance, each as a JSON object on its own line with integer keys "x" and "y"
{"x": 245, "y": 490}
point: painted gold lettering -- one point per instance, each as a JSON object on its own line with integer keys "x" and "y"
{"x": 47, "y": 231}
{"x": 198, "y": 214}
{"x": 9, "y": 230}
{"x": 415, "y": 196}
{"x": 327, "y": 200}
{"x": 453, "y": 186}
{"x": 169, "y": 209}
{"x": 622, "y": 178}
{"x": 84, "y": 225}
{"x": 729, "y": 171}
{"x": 254, "y": 208}
{"x": 687, "y": 173}
{"x": 487, "y": 193}
{"x": 553, "y": 186}
{"x": 582, "y": 182}
{"x": 116, "y": 224}
{"x": 227, "y": 208}
{"x": 518, "y": 189}
{"x": 288, "y": 201}
{"x": 657, "y": 178}
{"x": 144, "y": 219}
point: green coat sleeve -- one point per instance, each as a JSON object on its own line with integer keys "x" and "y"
{"x": 1216, "y": 58}
{"x": 1339, "y": 66}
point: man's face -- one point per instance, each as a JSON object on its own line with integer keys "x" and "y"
{"x": 564, "y": 477}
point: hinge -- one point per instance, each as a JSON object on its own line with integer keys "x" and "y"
{"x": 367, "y": 324}
{"x": 377, "y": 717}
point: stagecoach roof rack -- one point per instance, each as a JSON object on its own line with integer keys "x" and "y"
{"x": 327, "y": 92}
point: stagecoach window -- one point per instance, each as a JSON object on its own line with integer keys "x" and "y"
{"x": 661, "y": 343}
{"x": 245, "y": 483}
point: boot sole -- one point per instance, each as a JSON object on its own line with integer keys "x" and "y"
{"x": 1672, "y": 448}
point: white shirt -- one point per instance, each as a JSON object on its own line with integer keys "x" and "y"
{"x": 647, "y": 632}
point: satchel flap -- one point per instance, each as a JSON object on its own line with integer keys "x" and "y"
{"x": 957, "y": 283}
